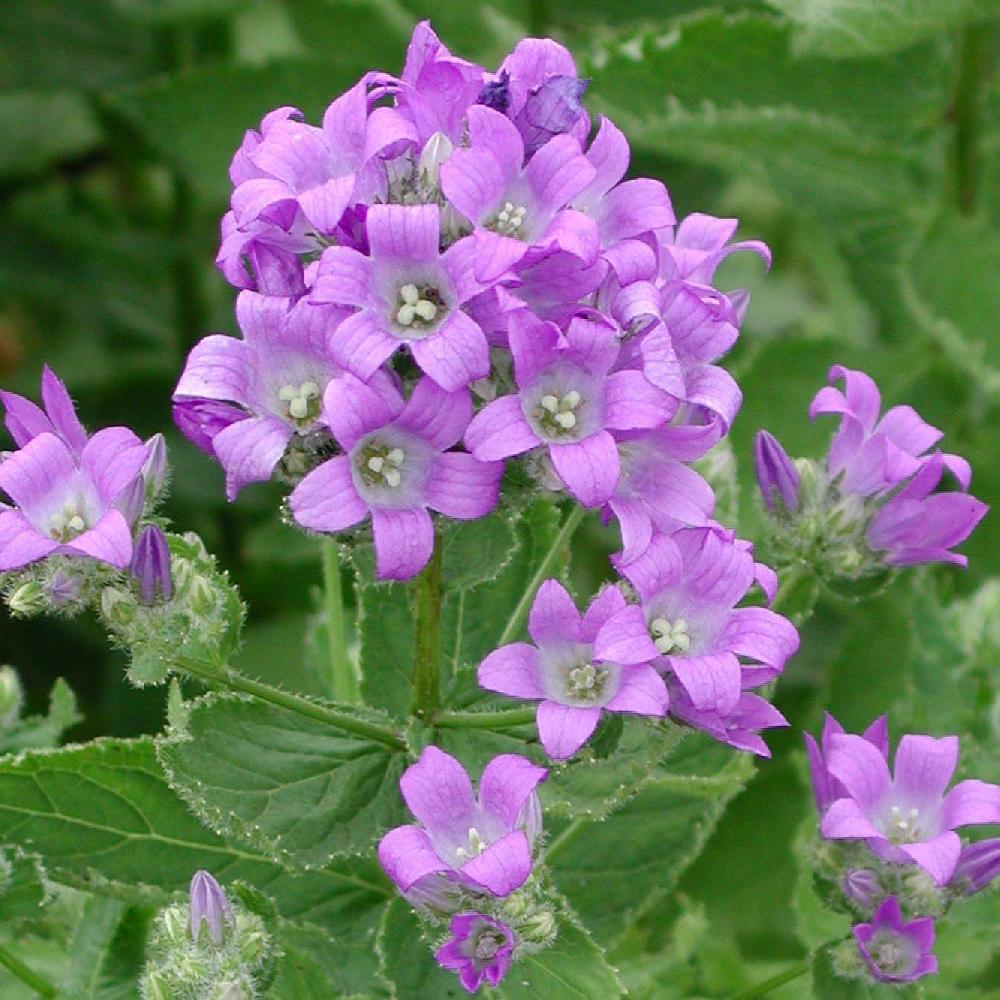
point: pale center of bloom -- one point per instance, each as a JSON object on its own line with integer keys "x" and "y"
{"x": 488, "y": 943}
{"x": 670, "y": 637}
{"x": 380, "y": 464}
{"x": 903, "y": 828}
{"x": 558, "y": 414}
{"x": 66, "y": 524}
{"x": 418, "y": 307}
{"x": 476, "y": 846}
{"x": 301, "y": 401}
{"x": 891, "y": 954}
{"x": 585, "y": 682}
{"x": 509, "y": 220}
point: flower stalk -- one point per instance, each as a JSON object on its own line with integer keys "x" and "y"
{"x": 341, "y": 679}
{"x": 427, "y": 652}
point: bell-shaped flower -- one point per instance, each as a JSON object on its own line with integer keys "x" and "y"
{"x": 697, "y": 246}
{"x": 907, "y": 816}
{"x": 826, "y": 788}
{"x": 579, "y": 666}
{"x": 57, "y": 415}
{"x": 738, "y": 727}
{"x": 689, "y": 584}
{"x": 568, "y": 401}
{"x": 245, "y": 399}
{"x": 896, "y": 951}
{"x": 776, "y": 474}
{"x": 62, "y": 506}
{"x": 397, "y": 462}
{"x": 405, "y": 293}
{"x": 482, "y": 843}
{"x": 479, "y": 948}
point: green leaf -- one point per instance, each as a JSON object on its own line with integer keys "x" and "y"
{"x": 387, "y": 630}
{"x": 827, "y": 985}
{"x": 474, "y": 551}
{"x": 611, "y": 870}
{"x": 70, "y": 130}
{"x": 103, "y": 814}
{"x": 22, "y": 884}
{"x": 406, "y": 959}
{"x": 90, "y": 946}
{"x": 848, "y": 28}
{"x": 40, "y": 731}
{"x": 297, "y": 789}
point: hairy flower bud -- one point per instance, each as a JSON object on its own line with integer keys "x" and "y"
{"x": 151, "y": 565}
{"x": 28, "y": 599}
{"x": 118, "y": 608}
{"x": 209, "y": 907}
{"x": 862, "y": 886}
{"x": 11, "y": 696}
{"x": 978, "y": 866}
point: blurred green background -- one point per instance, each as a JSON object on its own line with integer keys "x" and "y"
{"x": 860, "y": 140}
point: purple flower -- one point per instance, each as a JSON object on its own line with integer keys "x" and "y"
{"x": 689, "y": 584}
{"x": 862, "y": 886}
{"x": 518, "y": 209}
{"x": 408, "y": 293}
{"x": 209, "y": 907}
{"x": 656, "y": 491}
{"x": 395, "y": 465}
{"x": 569, "y": 403}
{"x": 25, "y": 420}
{"x": 151, "y": 565}
{"x": 776, "y": 475}
{"x": 737, "y": 727}
{"x": 978, "y": 866}
{"x": 483, "y": 844}
{"x": 245, "y": 400}
{"x": 479, "y": 948}
{"x": 553, "y": 108}
{"x": 907, "y": 817}
{"x": 66, "y": 507}
{"x": 626, "y": 210}
{"x": 699, "y": 244}
{"x": 874, "y": 454}
{"x": 579, "y": 666}
{"x": 896, "y": 951}
{"x": 826, "y": 788}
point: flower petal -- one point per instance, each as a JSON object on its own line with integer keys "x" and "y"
{"x": 327, "y": 500}
{"x": 500, "y": 430}
{"x": 512, "y": 670}
{"x": 563, "y": 729}
{"x": 712, "y": 681}
{"x": 404, "y": 541}
{"x": 632, "y": 402}
{"x": 249, "y": 450}
{"x": 504, "y": 866}
{"x": 437, "y": 790}
{"x": 362, "y": 343}
{"x": 844, "y": 820}
{"x": 111, "y": 460}
{"x": 435, "y": 415}
{"x": 860, "y": 768}
{"x": 29, "y": 475}
{"x": 353, "y": 408}
{"x": 462, "y": 487}
{"x": 589, "y": 468}
{"x": 456, "y": 354}
{"x": 923, "y": 767}
{"x": 553, "y": 616}
{"x": 60, "y": 410}
{"x": 109, "y": 540}
{"x": 641, "y": 691}
{"x": 404, "y": 232}
{"x": 407, "y": 855}
{"x": 937, "y": 856}
{"x": 971, "y": 802}
{"x": 624, "y": 638}
{"x": 20, "y": 543}
{"x": 507, "y": 783}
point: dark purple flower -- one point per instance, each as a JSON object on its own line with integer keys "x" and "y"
{"x": 896, "y": 951}
{"x": 408, "y": 293}
{"x": 151, "y": 565}
{"x": 826, "y": 788}
{"x": 579, "y": 666}
{"x": 484, "y": 844}
{"x": 66, "y": 507}
{"x": 479, "y": 948}
{"x": 568, "y": 402}
{"x": 246, "y": 399}
{"x": 25, "y": 420}
{"x": 553, "y": 108}
{"x": 396, "y": 464}
{"x": 907, "y": 817}
{"x": 519, "y": 210}
{"x": 209, "y": 907}
{"x": 689, "y": 584}
{"x": 978, "y": 866}
{"x": 496, "y": 93}
{"x": 776, "y": 474}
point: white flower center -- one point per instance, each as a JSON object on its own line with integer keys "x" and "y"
{"x": 510, "y": 220}
{"x": 418, "y": 307}
{"x": 488, "y": 944}
{"x": 670, "y": 637}
{"x": 585, "y": 682}
{"x": 903, "y": 828}
{"x": 68, "y": 523}
{"x": 301, "y": 401}
{"x": 890, "y": 954}
{"x": 379, "y": 464}
{"x": 558, "y": 414}
{"x": 476, "y": 846}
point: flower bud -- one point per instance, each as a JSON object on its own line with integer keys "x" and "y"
{"x": 118, "y": 608}
{"x": 11, "y": 696}
{"x": 861, "y": 886}
{"x": 978, "y": 866}
{"x": 132, "y": 500}
{"x": 151, "y": 565}
{"x": 209, "y": 907}
{"x": 28, "y": 599}
{"x": 776, "y": 474}
{"x": 203, "y": 598}
{"x": 154, "y": 470}
{"x": 64, "y": 587}
{"x": 436, "y": 151}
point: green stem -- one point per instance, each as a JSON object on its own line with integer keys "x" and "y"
{"x": 545, "y": 567}
{"x": 762, "y": 989}
{"x": 504, "y": 719}
{"x": 974, "y": 57}
{"x": 427, "y": 651}
{"x": 39, "y": 984}
{"x": 294, "y": 703}
{"x": 342, "y": 678}
{"x": 557, "y": 843}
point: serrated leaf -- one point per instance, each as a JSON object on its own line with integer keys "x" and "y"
{"x": 406, "y": 960}
{"x": 474, "y": 551}
{"x": 850, "y": 27}
{"x": 298, "y": 789}
{"x": 23, "y": 890}
{"x": 103, "y": 814}
{"x": 387, "y": 630}
{"x": 41, "y": 731}
{"x": 612, "y": 869}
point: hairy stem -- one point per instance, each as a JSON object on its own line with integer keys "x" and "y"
{"x": 294, "y": 703}
{"x": 762, "y": 989}
{"x": 341, "y": 680}
{"x": 427, "y": 654}
{"x": 503, "y": 719}
{"x": 15, "y": 966}
{"x": 545, "y": 567}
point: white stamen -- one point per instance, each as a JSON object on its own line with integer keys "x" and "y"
{"x": 550, "y": 403}
{"x": 287, "y": 393}
{"x": 476, "y": 845}
{"x": 392, "y": 477}
{"x": 76, "y": 523}
{"x": 375, "y": 463}
{"x": 426, "y": 310}
{"x": 565, "y": 419}
{"x": 410, "y": 294}
{"x": 406, "y": 315}
{"x": 570, "y": 401}
{"x": 309, "y": 390}
{"x": 298, "y": 408}
{"x": 670, "y": 637}
{"x": 396, "y": 456}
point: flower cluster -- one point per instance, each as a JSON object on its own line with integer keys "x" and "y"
{"x": 469, "y": 864}
{"x": 451, "y": 272}
{"x": 874, "y": 503}
{"x": 891, "y": 844}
